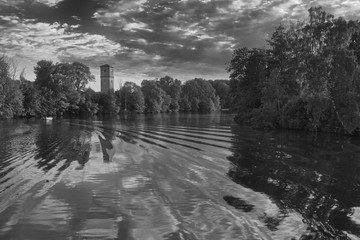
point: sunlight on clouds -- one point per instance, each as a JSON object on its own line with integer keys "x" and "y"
{"x": 286, "y": 9}
{"x": 87, "y": 47}
{"x": 17, "y": 2}
{"x": 49, "y": 2}
{"x": 349, "y": 7}
{"x": 193, "y": 30}
{"x": 141, "y": 40}
{"x": 130, "y": 4}
{"x": 8, "y": 3}
{"x": 243, "y": 4}
{"x": 107, "y": 18}
{"x": 132, "y": 27}
{"x": 170, "y": 45}
{"x": 228, "y": 45}
{"x": 113, "y": 14}
{"x": 29, "y": 41}
{"x": 157, "y": 57}
{"x": 177, "y": 37}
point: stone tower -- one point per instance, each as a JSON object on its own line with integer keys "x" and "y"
{"x": 107, "y": 78}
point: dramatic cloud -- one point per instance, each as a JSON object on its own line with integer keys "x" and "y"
{"x": 32, "y": 41}
{"x": 145, "y": 39}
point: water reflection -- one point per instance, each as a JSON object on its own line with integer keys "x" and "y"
{"x": 314, "y": 176}
{"x": 174, "y": 177}
{"x": 106, "y": 137}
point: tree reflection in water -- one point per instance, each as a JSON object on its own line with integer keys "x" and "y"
{"x": 62, "y": 144}
{"x": 107, "y": 147}
{"x": 314, "y": 176}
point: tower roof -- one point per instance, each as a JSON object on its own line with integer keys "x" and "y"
{"x": 105, "y": 65}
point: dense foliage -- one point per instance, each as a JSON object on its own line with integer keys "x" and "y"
{"x": 60, "y": 89}
{"x": 11, "y": 97}
{"x": 168, "y": 94}
{"x": 199, "y": 95}
{"x": 307, "y": 78}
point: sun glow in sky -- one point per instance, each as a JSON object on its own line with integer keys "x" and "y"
{"x": 147, "y": 39}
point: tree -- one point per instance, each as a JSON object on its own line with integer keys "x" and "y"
{"x": 198, "y": 91}
{"x": 308, "y": 78}
{"x": 81, "y": 76}
{"x": 184, "y": 104}
{"x": 31, "y": 101}
{"x": 345, "y": 89}
{"x": 43, "y": 70}
{"x": 222, "y": 89}
{"x": 10, "y": 94}
{"x": 11, "y": 100}
{"x": 88, "y": 105}
{"x": 66, "y": 82}
{"x": 154, "y": 96}
{"x": 106, "y": 103}
{"x": 132, "y": 98}
{"x": 248, "y": 70}
{"x": 172, "y": 88}
{"x": 332, "y": 69}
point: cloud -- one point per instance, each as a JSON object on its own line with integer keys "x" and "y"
{"x": 347, "y": 8}
{"x": 167, "y": 28}
{"x": 181, "y": 38}
{"x": 33, "y": 39}
{"x": 29, "y": 41}
{"x": 49, "y": 2}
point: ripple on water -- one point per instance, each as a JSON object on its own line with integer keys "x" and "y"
{"x": 169, "y": 178}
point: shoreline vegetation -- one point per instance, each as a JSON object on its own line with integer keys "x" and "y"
{"x": 60, "y": 89}
{"x": 306, "y": 78}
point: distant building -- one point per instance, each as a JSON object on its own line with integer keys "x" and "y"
{"x": 107, "y": 78}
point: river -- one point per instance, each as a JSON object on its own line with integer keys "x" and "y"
{"x": 175, "y": 176}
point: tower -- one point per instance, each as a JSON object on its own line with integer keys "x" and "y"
{"x": 107, "y": 78}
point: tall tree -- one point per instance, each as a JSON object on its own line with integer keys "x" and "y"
{"x": 132, "y": 98}
{"x": 308, "y": 78}
{"x": 222, "y": 89}
{"x": 248, "y": 70}
{"x": 172, "y": 88}
{"x": 65, "y": 81}
{"x": 154, "y": 96}
{"x": 106, "y": 103}
{"x": 43, "y": 70}
{"x": 201, "y": 95}
{"x": 88, "y": 105}
{"x": 10, "y": 94}
{"x": 31, "y": 101}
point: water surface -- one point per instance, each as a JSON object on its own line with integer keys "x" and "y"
{"x": 175, "y": 176}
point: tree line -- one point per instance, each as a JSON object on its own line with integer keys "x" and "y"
{"x": 307, "y": 77}
{"x": 61, "y": 89}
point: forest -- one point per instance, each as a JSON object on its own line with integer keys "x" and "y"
{"x": 307, "y": 77}
{"x": 60, "y": 89}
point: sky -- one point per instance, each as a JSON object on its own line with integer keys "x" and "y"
{"x": 147, "y": 39}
